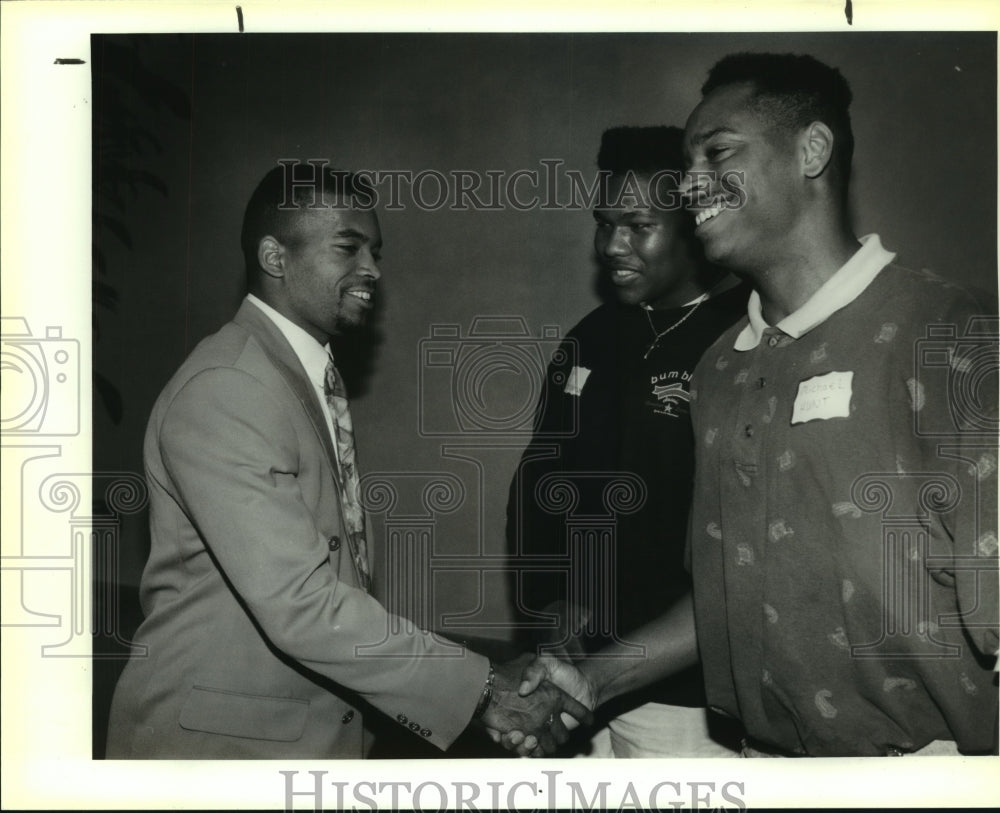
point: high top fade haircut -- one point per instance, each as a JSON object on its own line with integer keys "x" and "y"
{"x": 793, "y": 91}
{"x": 641, "y": 150}
{"x": 653, "y": 155}
{"x": 286, "y": 191}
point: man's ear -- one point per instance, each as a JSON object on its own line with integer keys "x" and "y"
{"x": 271, "y": 257}
{"x": 816, "y": 143}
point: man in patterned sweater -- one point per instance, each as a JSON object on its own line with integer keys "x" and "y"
{"x": 843, "y": 541}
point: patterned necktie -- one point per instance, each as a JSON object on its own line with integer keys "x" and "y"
{"x": 343, "y": 430}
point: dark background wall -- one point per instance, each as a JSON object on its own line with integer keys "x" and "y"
{"x": 193, "y": 122}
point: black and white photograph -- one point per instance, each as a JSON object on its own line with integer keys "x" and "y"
{"x": 387, "y": 403}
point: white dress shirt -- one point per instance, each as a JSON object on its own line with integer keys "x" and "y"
{"x": 313, "y": 356}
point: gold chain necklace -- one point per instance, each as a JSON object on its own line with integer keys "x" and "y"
{"x": 678, "y": 323}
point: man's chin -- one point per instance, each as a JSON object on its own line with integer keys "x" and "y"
{"x": 628, "y": 296}
{"x": 352, "y": 324}
{"x": 715, "y": 252}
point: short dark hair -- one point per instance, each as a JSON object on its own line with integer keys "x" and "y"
{"x": 793, "y": 90}
{"x": 641, "y": 150}
{"x": 286, "y": 190}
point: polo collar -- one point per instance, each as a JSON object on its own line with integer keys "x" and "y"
{"x": 846, "y": 285}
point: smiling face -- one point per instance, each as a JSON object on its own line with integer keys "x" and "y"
{"x": 645, "y": 250}
{"x": 330, "y": 265}
{"x": 743, "y": 182}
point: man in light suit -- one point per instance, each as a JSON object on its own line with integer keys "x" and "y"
{"x": 256, "y": 592}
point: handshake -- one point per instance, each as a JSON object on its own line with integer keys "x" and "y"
{"x": 535, "y": 703}
{"x": 538, "y": 701}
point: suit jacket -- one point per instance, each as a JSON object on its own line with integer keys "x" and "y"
{"x": 260, "y": 639}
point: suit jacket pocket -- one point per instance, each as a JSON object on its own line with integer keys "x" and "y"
{"x": 258, "y": 717}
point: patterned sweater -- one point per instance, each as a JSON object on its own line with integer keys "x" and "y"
{"x": 843, "y": 539}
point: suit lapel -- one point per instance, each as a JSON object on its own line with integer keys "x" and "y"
{"x": 280, "y": 352}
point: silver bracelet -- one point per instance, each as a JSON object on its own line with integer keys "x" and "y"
{"x": 487, "y": 696}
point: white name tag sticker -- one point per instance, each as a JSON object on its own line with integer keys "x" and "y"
{"x": 823, "y": 397}
{"x": 577, "y": 378}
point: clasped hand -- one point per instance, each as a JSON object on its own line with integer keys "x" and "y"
{"x": 537, "y": 702}
{"x": 529, "y": 713}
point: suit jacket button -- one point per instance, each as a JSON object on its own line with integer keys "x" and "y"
{"x": 414, "y": 726}
{"x": 334, "y": 543}
{"x": 347, "y": 717}
{"x": 402, "y": 718}
{"x": 425, "y": 732}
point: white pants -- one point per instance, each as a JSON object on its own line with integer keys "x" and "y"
{"x": 935, "y": 748}
{"x": 658, "y": 730}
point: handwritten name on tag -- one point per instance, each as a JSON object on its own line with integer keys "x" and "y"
{"x": 823, "y": 397}
{"x": 575, "y": 381}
